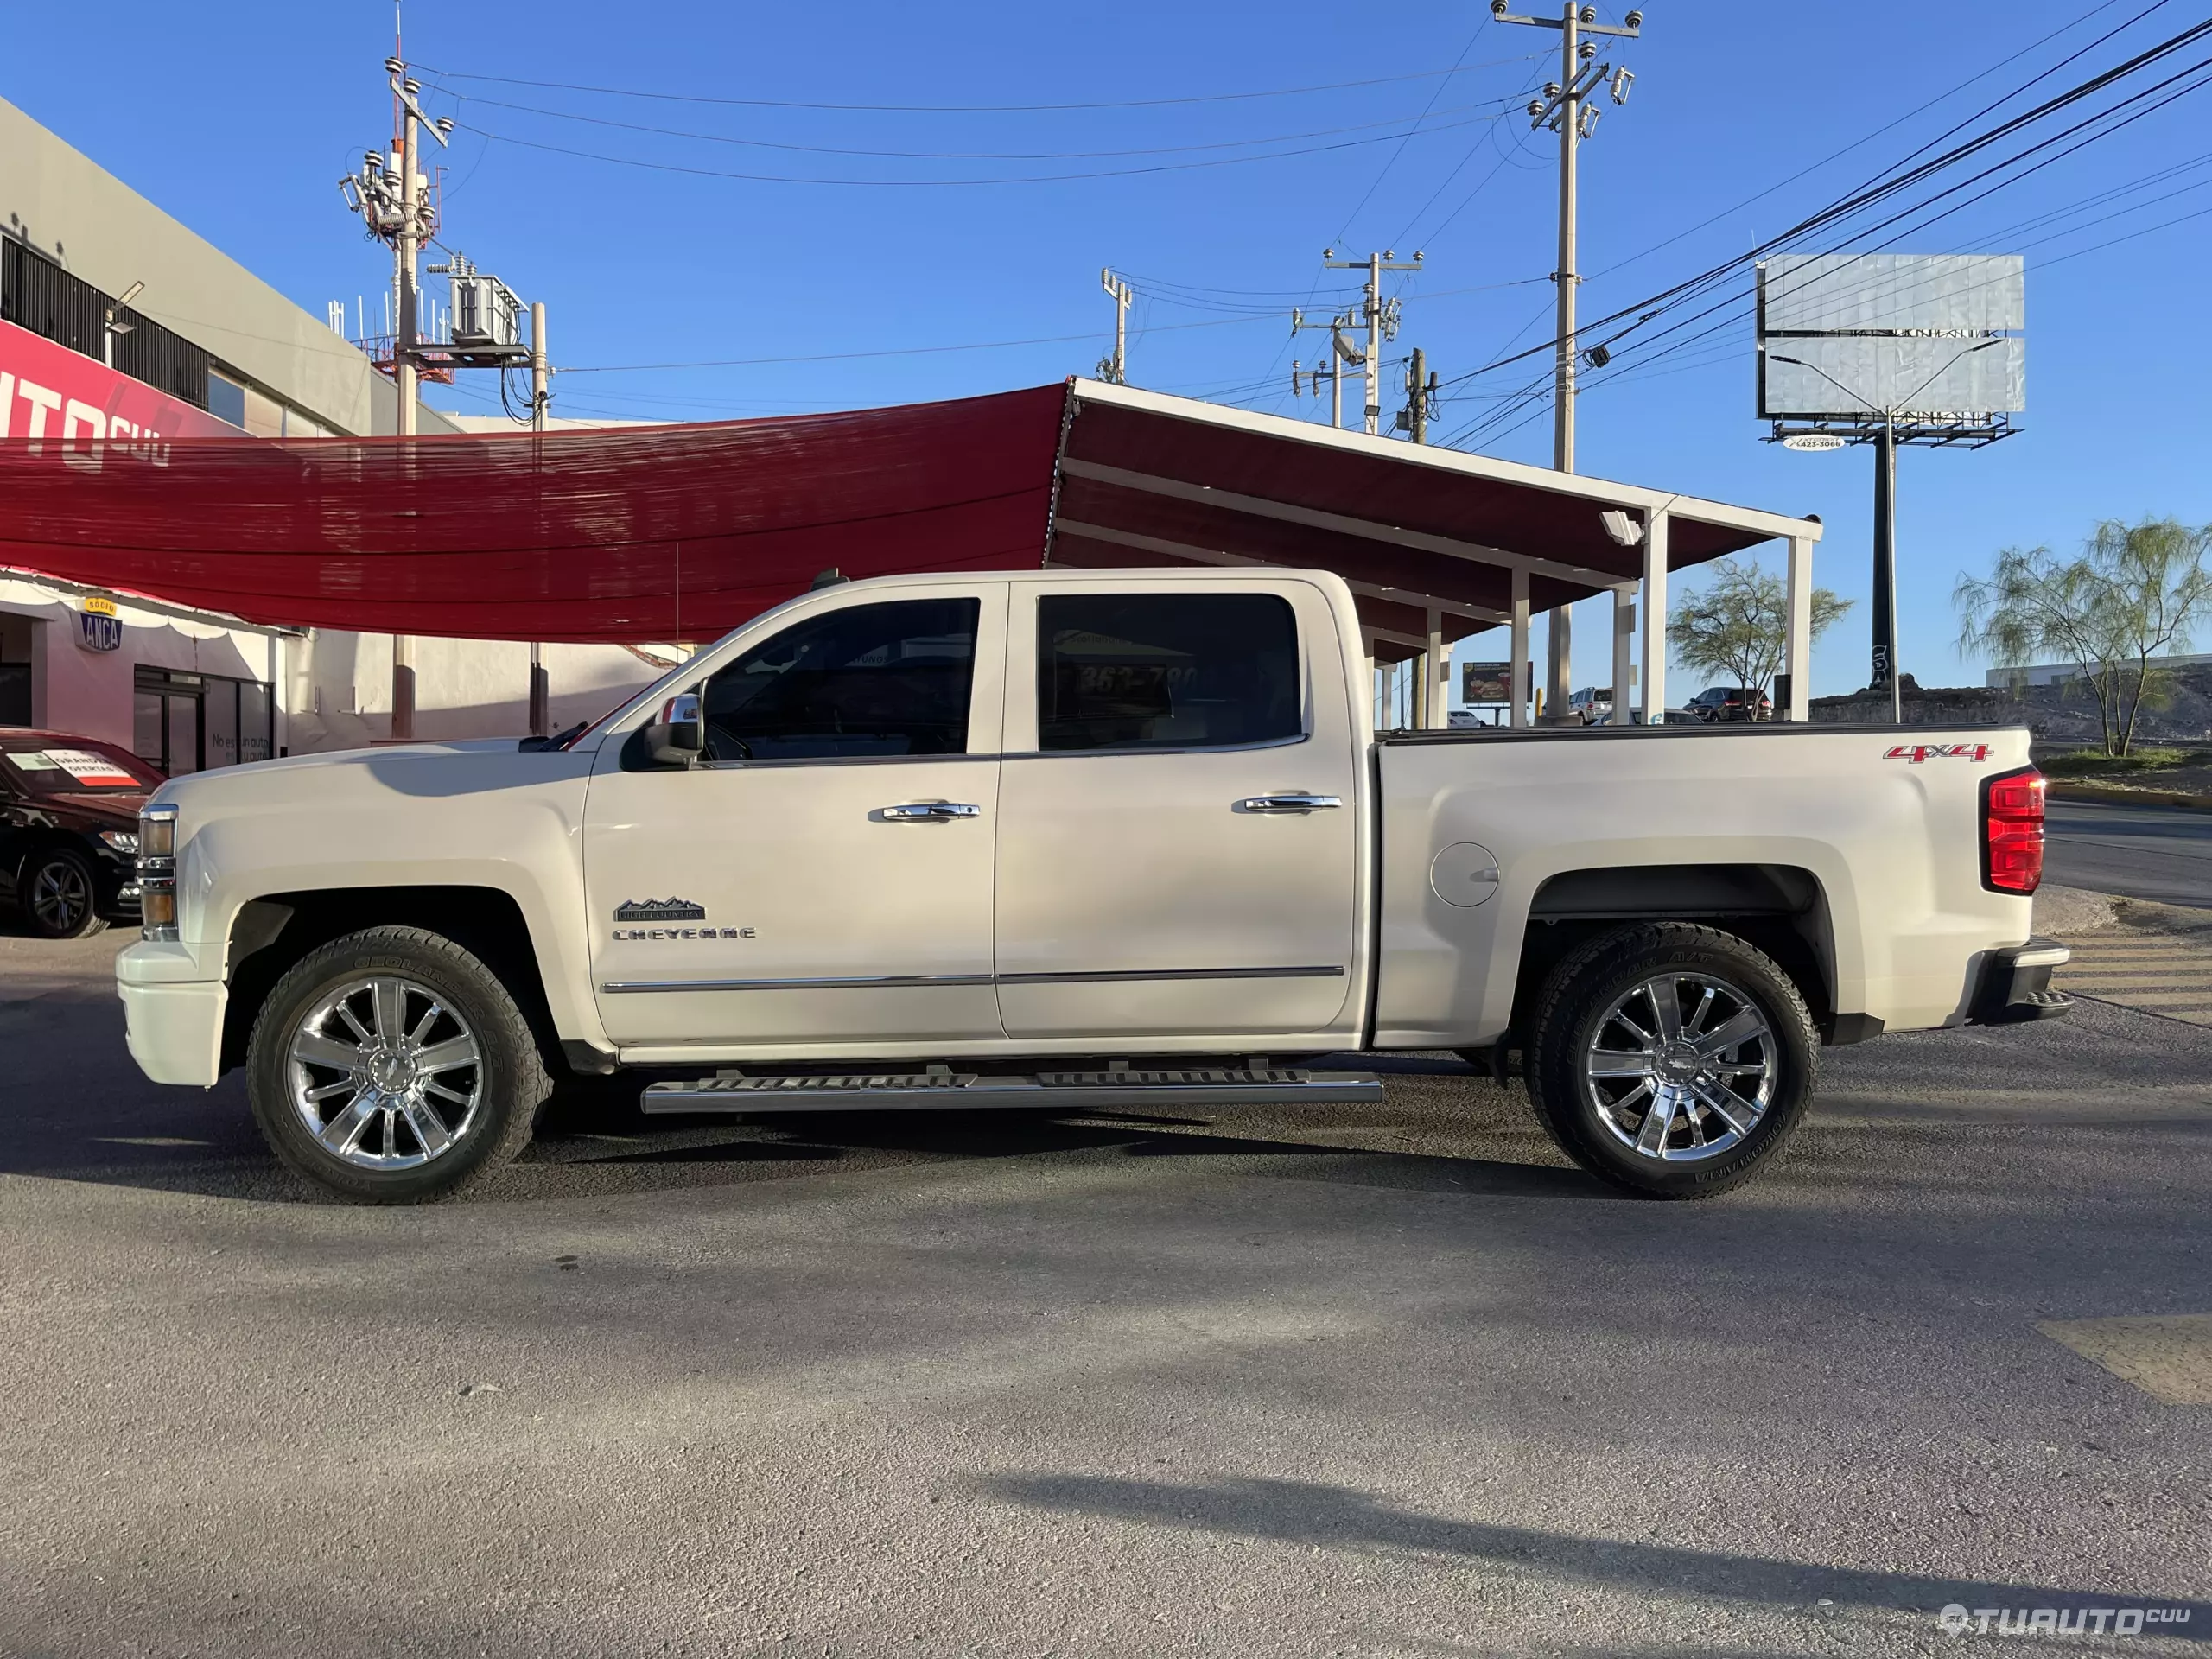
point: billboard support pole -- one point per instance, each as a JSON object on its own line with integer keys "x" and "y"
{"x": 1886, "y": 568}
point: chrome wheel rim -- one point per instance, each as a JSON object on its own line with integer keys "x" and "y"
{"x": 385, "y": 1074}
{"x": 61, "y": 895}
{"x": 1681, "y": 1067}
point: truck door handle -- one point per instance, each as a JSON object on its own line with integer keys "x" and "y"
{"x": 928, "y": 812}
{"x": 1288, "y": 803}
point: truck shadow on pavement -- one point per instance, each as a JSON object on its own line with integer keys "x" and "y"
{"x": 1305, "y": 1513}
{"x": 77, "y": 1110}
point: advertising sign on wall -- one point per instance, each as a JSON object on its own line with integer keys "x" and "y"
{"x": 49, "y": 391}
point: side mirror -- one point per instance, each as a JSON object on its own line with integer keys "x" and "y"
{"x": 679, "y": 736}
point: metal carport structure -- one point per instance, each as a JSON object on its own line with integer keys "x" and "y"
{"x": 1437, "y": 544}
{"x": 682, "y": 532}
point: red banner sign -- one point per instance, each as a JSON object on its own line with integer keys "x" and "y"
{"x": 49, "y": 391}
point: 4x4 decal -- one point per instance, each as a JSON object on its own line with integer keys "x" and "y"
{"x": 1916, "y": 752}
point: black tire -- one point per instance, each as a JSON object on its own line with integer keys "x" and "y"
{"x": 1702, "y": 1148}
{"x": 505, "y": 1084}
{"x": 58, "y": 893}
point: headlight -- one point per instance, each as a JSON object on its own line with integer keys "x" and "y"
{"x": 156, "y": 844}
{"x": 122, "y": 840}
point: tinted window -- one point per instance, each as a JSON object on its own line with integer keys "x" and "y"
{"x": 868, "y": 680}
{"x": 1166, "y": 670}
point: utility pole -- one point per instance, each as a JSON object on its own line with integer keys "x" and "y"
{"x": 1116, "y": 369}
{"x": 1380, "y": 316}
{"x": 1340, "y": 353}
{"x": 1421, "y": 397}
{"x": 541, "y": 690}
{"x": 408, "y": 248}
{"x": 1565, "y": 108}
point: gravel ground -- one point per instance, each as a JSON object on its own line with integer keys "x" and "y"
{"x": 1372, "y": 1381}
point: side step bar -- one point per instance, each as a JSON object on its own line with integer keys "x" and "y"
{"x": 1117, "y": 1089}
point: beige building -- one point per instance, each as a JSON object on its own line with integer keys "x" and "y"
{"x": 209, "y": 347}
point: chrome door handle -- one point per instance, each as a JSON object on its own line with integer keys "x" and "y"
{"x": 1288, "y": 803}
{"x": 929, "y": 812}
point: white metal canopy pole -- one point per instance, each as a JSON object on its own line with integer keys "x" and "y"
{"x": 1654, "y": 620}
{"x": 1517, "y": 670}
{"x": 1797, "y": 653}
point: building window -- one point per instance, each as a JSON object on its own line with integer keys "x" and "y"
{"x": 225, "y": 399}
{"x": 189, "y": 723}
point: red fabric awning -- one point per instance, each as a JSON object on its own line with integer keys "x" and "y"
{"x": 683, "y": 532}
{"x": 629, "y": 534}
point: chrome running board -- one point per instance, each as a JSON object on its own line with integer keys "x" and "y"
{"x": 1117, "y": 1090}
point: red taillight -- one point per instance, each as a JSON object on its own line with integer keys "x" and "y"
{"x": 2012, "y": 831}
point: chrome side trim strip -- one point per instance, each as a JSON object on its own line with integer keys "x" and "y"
{"x": 884, "y": 981}
{"x": 1140, "y": 975}
{"x": 865, "y": 982}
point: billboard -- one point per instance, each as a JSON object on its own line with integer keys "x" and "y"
{"x": 1485, "y": 682}
{"x": 1854, "y": 336}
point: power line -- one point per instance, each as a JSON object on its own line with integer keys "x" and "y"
{"x": 1920, "y": 207}
{"x": 976, "y": 109}
{"x": 1941, "y": 97}
{"x": 972, "y": 155}
{"x": 1644, "y": 311}
{"x": 906, "y": 184}
{"x": 1376, "y": 184}
{"x": 898, "y": 351}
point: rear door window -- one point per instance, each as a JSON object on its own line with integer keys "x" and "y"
{"x": 1166, "y": 670}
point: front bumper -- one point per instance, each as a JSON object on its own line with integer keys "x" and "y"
{"x": 2015, "y": 985}
{"x": 174, "y": 1024}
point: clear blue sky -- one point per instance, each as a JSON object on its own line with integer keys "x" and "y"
{"x": 239, "y": 119}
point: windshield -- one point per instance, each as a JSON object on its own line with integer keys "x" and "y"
{"x": 67, "y": 766}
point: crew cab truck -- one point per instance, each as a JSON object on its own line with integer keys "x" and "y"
{"x": 1079, "y": 840}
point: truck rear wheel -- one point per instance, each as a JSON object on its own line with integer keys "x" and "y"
{"x": 1671, "y": 1060}
{"x": 391, "y": 1066}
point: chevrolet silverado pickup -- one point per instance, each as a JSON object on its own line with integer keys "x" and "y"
{"x": 1079, "y": 840}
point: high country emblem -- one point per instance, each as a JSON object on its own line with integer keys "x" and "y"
{"x": 659, "y": 910}
{"x": 1917, "y": 753}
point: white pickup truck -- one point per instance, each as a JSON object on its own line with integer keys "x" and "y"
{"x": 1080, "y": 841}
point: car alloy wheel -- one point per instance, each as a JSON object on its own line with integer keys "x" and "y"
{"x": 385, "y": 1074}
{"x": 1681, "y": 1067}
{"x": 61, "y": 896}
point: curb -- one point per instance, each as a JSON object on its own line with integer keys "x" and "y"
{"x": 2061, "y": 789}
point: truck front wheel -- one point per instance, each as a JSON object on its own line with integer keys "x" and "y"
{"x": 391, "y": 1066}
{"x": 1671, "y": 1060}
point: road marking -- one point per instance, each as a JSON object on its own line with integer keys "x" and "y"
{"x": 2168, "y": 1358}
{"x": 2157, "y": 973}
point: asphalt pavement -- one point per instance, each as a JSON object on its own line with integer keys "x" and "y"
{"x": 1372, "y": 1381}
{"x": 2160, "y": 853}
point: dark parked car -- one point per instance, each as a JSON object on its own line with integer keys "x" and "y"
{"x": 1727, "y": 702}
{"x": 69, "y": 830}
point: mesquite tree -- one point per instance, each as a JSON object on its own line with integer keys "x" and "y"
{"x": 1738, "y": 626}
{"x": 2128, "y": 599}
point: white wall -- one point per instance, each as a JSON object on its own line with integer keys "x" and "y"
{"x": 88, "y": 693}
{"x": 339, "y": 695}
